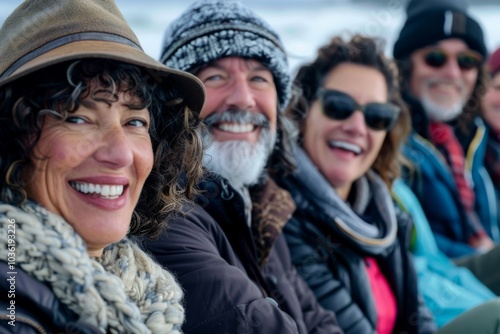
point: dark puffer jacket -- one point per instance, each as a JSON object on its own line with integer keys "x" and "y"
{"x": 231, "y": 285}
{"x": 333, "y": 265}
{"x": 28, "y": 306}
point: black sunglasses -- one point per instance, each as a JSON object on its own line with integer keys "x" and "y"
{"x": 340, "y": 106}
{"x": 466, "y": 60}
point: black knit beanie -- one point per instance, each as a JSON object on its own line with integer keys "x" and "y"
{"x": 429, "y": 21}
{"x": 212, "y": 29}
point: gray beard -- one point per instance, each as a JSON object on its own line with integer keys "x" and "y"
{"x": 438, "y": 113}
{"x": 435, "y": 111}
{"x": 240, "y": 162}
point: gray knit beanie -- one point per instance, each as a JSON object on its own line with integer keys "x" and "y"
{"x": 213, "y": 29}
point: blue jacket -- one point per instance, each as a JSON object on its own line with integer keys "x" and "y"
{"x": 433, "y": 184}
{"x": 448, "y": 290}
{"x": 486, "y": 196}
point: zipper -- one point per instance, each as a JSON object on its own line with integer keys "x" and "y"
{"x": 490, "y": 192}
{"x": 470, "y": 154}
{"x": 493, "y": 210}
{"x": 27, "y": 321}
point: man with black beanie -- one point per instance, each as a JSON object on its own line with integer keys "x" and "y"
{"x": 228, "y": 251}
{"x": 440, "y": 53}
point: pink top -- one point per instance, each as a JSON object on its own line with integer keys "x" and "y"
{"x": 385, "y": 301}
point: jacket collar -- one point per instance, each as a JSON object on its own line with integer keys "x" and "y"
{"x": 272, "y": 207}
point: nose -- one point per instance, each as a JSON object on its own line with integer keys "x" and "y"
{"x": 114, "y": 148}
{"x": 241, "y": 95}
{"x": 451, "y": 69}
{"x": 355, "y": 125}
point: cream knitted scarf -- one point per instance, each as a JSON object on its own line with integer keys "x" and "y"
{"x": 126, "y": 292}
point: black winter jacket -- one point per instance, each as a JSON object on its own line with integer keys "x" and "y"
{"x": 28, "y": 306}
{"x": 213, "y": 253}
{"x": 335, "y": 269}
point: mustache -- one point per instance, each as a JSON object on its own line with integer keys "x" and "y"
{"x": 238, "y": 117}
{"x": 458, "y": 83}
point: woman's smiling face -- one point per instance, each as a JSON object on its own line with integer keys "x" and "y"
{"x": 91, "y": 167}
{"x": 344, "y": 150}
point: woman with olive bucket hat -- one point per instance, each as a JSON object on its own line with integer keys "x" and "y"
{"x": 89, "y": 129}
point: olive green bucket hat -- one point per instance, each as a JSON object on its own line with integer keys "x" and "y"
{"x": 41, "y": 33}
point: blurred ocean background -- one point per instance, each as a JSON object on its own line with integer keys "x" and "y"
{"x": 303, "y": 25}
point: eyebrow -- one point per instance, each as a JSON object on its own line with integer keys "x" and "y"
{"x": 256, "y": 66}
{"x": 88, "y": 103}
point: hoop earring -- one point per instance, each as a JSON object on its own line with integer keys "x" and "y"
{"x": 9, "y": 172}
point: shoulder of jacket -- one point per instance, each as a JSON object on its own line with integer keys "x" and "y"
{"x": 33, "y": 305}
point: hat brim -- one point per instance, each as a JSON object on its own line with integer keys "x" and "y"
{"x": 190, "y": 87}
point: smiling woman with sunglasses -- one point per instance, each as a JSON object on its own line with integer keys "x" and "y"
{"x": 347, "y": 239}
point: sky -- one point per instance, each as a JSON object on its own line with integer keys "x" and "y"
{"x": 304, "y": 25}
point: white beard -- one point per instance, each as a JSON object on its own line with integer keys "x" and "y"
{"x": 240, "y": 162}
{"x": 439, "y": 113}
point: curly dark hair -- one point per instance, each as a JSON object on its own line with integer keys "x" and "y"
{"x": 59, "y": 90}
{"x": 363, "y": 51}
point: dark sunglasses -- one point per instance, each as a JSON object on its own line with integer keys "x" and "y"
{"x": 466, "y": 60}
{"x": 340, "y": 106}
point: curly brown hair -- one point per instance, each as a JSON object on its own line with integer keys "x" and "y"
{"x": 59, "y": 90}
{"x": 363, "y": 51}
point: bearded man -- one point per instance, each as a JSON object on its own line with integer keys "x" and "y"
{"x": 440, "y": 53}
{"x": 228, "y": 251}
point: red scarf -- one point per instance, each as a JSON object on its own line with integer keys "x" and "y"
{"x": 444, "y": 138}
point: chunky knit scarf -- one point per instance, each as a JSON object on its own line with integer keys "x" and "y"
{"x": 123, "y": 292}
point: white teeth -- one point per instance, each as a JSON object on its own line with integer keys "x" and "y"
{"x": 106, "y": 191}
{"x": 346, "y": 146}
{"x": 236, "y": 128}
